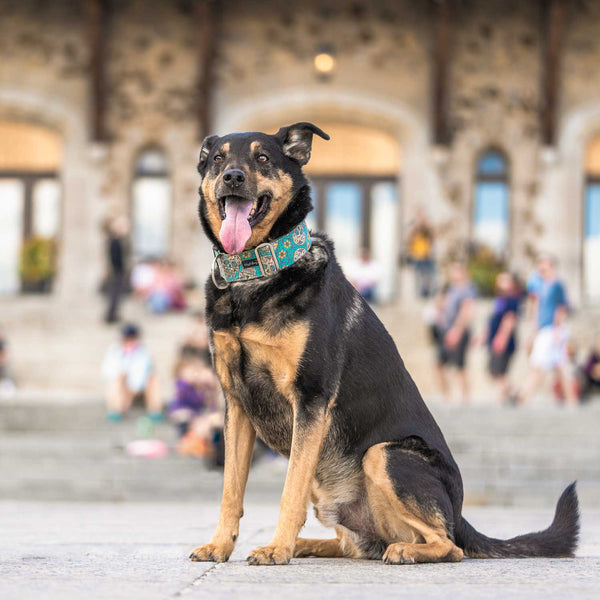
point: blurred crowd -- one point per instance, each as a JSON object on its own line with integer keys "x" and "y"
{"x": 449, "y": 295}
{"x": 196, "y": 407}
{"x": 543, "y": 301}
{"x": 450, "y": 300}
{"x": 155, "y": 281}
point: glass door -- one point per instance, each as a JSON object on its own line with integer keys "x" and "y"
{"x": 12, "y": 205}
{"x": 384, "y": 249}
{"x": 343, "y": 219}
{"x": 360, "y": 215}
{"x": 591, "y": 247}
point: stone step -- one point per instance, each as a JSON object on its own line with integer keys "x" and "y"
{"x": 124, "y": 478}
{"x": 68, "y": 451}
{"x": 479, "y": 421}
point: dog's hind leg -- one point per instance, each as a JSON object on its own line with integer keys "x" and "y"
{"x": 409, "y": 505}
{"x": 320, "y": 548}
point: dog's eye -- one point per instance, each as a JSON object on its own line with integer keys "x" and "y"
{"x": 262, "y": 158}
{"x": 218, "y": 157}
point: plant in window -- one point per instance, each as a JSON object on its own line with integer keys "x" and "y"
{"x": 484, "y": 265}
{"x": 38, "y": 264}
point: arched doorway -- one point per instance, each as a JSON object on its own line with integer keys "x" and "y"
{"x": 355, "y": 187}
{"x": 30, "y": 206}
{"x": 591, "y": 222}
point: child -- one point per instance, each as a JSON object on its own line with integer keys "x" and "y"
{"x": 194, "y": 408}
{"x": 572, "y": 371}
{"x": 550, "y": 354}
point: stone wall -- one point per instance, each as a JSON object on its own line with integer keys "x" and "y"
{"x": 43, "y": 80}
{"x": 152, "y": 74}
{"x": 265, "y": 77}
{"x": 495, "y": 103}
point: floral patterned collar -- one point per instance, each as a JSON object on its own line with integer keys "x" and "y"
{"x": 264, "y": 260}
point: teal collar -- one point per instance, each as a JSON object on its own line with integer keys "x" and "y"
{"x": 264, "y": 260}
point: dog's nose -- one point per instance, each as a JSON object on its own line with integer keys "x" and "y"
{"x": 233, "y": 178}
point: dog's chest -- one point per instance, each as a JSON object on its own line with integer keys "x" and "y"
{"x": 259, "y": 369}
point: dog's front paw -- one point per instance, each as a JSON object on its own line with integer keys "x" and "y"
{"x": 270, "y": 555}
{"x": 211, "y": 553}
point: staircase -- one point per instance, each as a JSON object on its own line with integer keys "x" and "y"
{"x": 507, "y": 457}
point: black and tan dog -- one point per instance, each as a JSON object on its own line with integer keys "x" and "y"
{"x": 306, "y": 365}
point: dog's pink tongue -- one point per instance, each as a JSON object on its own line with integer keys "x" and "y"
{"x": 236, "y": 230}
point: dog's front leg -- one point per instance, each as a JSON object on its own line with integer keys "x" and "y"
{"x": 239, "y": 443}
{"x": 309, "y": 431}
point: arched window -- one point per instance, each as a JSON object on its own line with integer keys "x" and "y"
{"x": 490, "y": 208}
{"x": 30, "y": 206}
{"x": 591, "y": 222}
{"x": 151, "y": 205}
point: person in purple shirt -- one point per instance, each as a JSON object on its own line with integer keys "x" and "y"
{"x": 195, "y": 391}
{"x": 501, "y": 335}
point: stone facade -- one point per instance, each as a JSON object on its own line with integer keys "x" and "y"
{"x": 264, "y": 77}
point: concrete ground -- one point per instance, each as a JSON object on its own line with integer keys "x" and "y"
{"x": 109, "y": 550}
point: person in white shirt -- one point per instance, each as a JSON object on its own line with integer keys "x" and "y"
{"x": 129, "y": 371}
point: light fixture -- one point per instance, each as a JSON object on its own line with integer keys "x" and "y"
{"x": 324, "y": 61}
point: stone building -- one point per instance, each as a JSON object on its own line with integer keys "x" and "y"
{"x": 485, "y": 113}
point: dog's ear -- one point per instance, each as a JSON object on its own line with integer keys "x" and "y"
{"x": 207, "y": 145}
{"x": 296, "y": 140}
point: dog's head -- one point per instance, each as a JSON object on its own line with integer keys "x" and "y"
{"x": 253, "y": 188}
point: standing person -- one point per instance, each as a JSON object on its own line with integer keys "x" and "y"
{"x": 364, "y": 274}
{"x": 455, "y": 333}
{"x": 129, "y": 371}
{"x": 116, "y": 248}
{"x": 420, "y": 252}
{"x": 550, "y": 311}
{"x": 501, "y": 335}
{"x": 546, "y": 292}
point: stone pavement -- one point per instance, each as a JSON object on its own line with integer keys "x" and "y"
{"x": 69, "y": 551}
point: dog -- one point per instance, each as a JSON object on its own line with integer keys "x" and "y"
{"x": 305, "y": 364}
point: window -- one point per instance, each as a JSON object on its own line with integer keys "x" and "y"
{"x": 355, "y": 194}
{"x": 491, "y": 205}
{"x": 356, "y": 213}
{"x": 591, "y": 223}
{"x": 151, "y": 205}
{"x": 30, "y": 199}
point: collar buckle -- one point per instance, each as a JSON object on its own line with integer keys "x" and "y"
{"x": 271, "y": 264}
{"x": 213, "y": 271}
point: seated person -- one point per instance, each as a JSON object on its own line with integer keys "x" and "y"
{"x": 129, "y": 372}
{"x": 166, "y": 290}
{"x": 194, "y": 409}
{"x": 591, "y": 371}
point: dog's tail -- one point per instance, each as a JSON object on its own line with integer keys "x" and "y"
{"x": 559, "y": 540}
